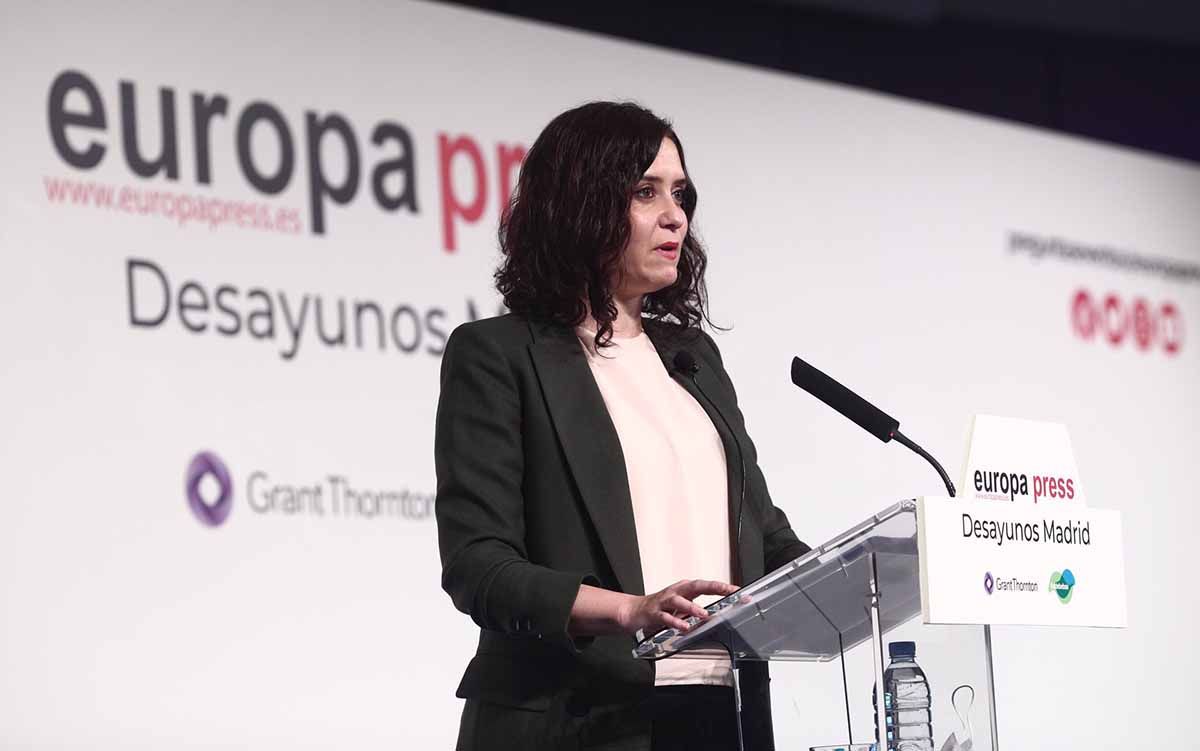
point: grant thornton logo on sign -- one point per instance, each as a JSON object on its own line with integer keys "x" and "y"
{"x": 208, "y": 488}
{"x": 1007, "y": 584}
{"x": 1062, "y": 583}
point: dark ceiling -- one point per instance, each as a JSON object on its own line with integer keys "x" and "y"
{"x": 1112, "y": 70}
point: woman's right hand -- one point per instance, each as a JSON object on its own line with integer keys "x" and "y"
{"x": 670, "y": 607}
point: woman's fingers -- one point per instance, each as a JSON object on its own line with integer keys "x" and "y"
{"x": 693, "y": 588}
{"x": 671, "y": 621}
{"x": 672, "y": 606}
{"x": 680, "y": 604}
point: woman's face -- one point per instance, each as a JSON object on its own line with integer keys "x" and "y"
{"x": 657, "y": 225}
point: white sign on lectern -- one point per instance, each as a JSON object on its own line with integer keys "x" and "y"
{"x": 1019, "y": 545}
{"x": 991, "y": 563}
{"x": 1021, "y": 461}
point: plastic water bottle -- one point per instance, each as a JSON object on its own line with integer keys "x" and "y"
{"x": 906, "y": 701}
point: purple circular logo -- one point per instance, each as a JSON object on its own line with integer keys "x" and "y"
{"x": 203, "y": 464}
{"x": 988, "y": 582}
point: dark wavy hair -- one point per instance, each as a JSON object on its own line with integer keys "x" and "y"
{"x": 567, "y": 224}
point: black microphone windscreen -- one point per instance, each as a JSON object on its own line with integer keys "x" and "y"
{"x": 864, "y": 414}
{"x": 685, "y": 362}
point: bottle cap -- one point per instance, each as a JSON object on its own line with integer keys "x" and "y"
{"x": 899, "y": 649}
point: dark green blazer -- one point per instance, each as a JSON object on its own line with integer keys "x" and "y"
{"x": 533, "y": 500}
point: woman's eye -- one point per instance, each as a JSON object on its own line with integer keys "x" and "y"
{"x": 679, "y": 195}
{"x": 646, "y": 192}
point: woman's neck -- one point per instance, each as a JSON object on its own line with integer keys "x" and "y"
{"x": 628, "y": 322}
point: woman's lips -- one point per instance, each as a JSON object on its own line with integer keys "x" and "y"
{"x": 670, "y": 250}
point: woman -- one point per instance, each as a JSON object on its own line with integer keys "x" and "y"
{"x": 590, "y": 450}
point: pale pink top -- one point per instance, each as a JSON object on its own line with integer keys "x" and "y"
{"x": 675, "y": 464}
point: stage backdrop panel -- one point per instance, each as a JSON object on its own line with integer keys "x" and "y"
{"x": 235, "y": 239}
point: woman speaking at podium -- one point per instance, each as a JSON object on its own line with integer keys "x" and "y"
{"x": 594, "y": 475}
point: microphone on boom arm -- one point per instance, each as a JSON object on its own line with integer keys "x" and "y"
{"x": 864, "y": 414}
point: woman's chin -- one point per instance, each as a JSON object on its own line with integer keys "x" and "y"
{"x": 665, "y": 279}
{"x": 648, "y": 284}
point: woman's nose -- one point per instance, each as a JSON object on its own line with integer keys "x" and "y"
{"x": 672, "y": 216}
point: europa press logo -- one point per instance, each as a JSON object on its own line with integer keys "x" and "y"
{"x": 213, "y": 512}
{"x": 1062, "y": 583}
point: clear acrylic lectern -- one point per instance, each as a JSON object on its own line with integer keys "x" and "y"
{"x": 852, "y": 590}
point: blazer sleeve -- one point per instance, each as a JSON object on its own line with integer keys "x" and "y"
{"x": 780, "y": 544}
{"x": 479, "y": 505}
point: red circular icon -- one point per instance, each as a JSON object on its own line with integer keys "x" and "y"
{"x": 1083, "y": 315}
{"x": 1144, "y": 324}
{"x": 1115, "y": 320}
{"x": 1172, "y": 325}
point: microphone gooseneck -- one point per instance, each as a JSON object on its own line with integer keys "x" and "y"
{"x": 859, "y": 411}
{"x": 904, "y": 440}
{"x": 684, "y": 362}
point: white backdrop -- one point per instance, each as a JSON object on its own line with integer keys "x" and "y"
{"x": 870, "y": 235}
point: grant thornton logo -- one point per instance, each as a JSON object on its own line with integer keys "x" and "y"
{"x": 989, "y": 584}
{"x": 1062, "y": 583}
{"x": 207, "y": 464}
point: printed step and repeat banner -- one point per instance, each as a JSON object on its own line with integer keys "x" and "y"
{"x": 237, "y": 236}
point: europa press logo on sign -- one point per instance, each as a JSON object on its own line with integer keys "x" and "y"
{"x": 210, "y": 513}
{"x": 1062, "y": 583}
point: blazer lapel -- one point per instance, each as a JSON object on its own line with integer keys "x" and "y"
{"x": 593, "y": 450}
